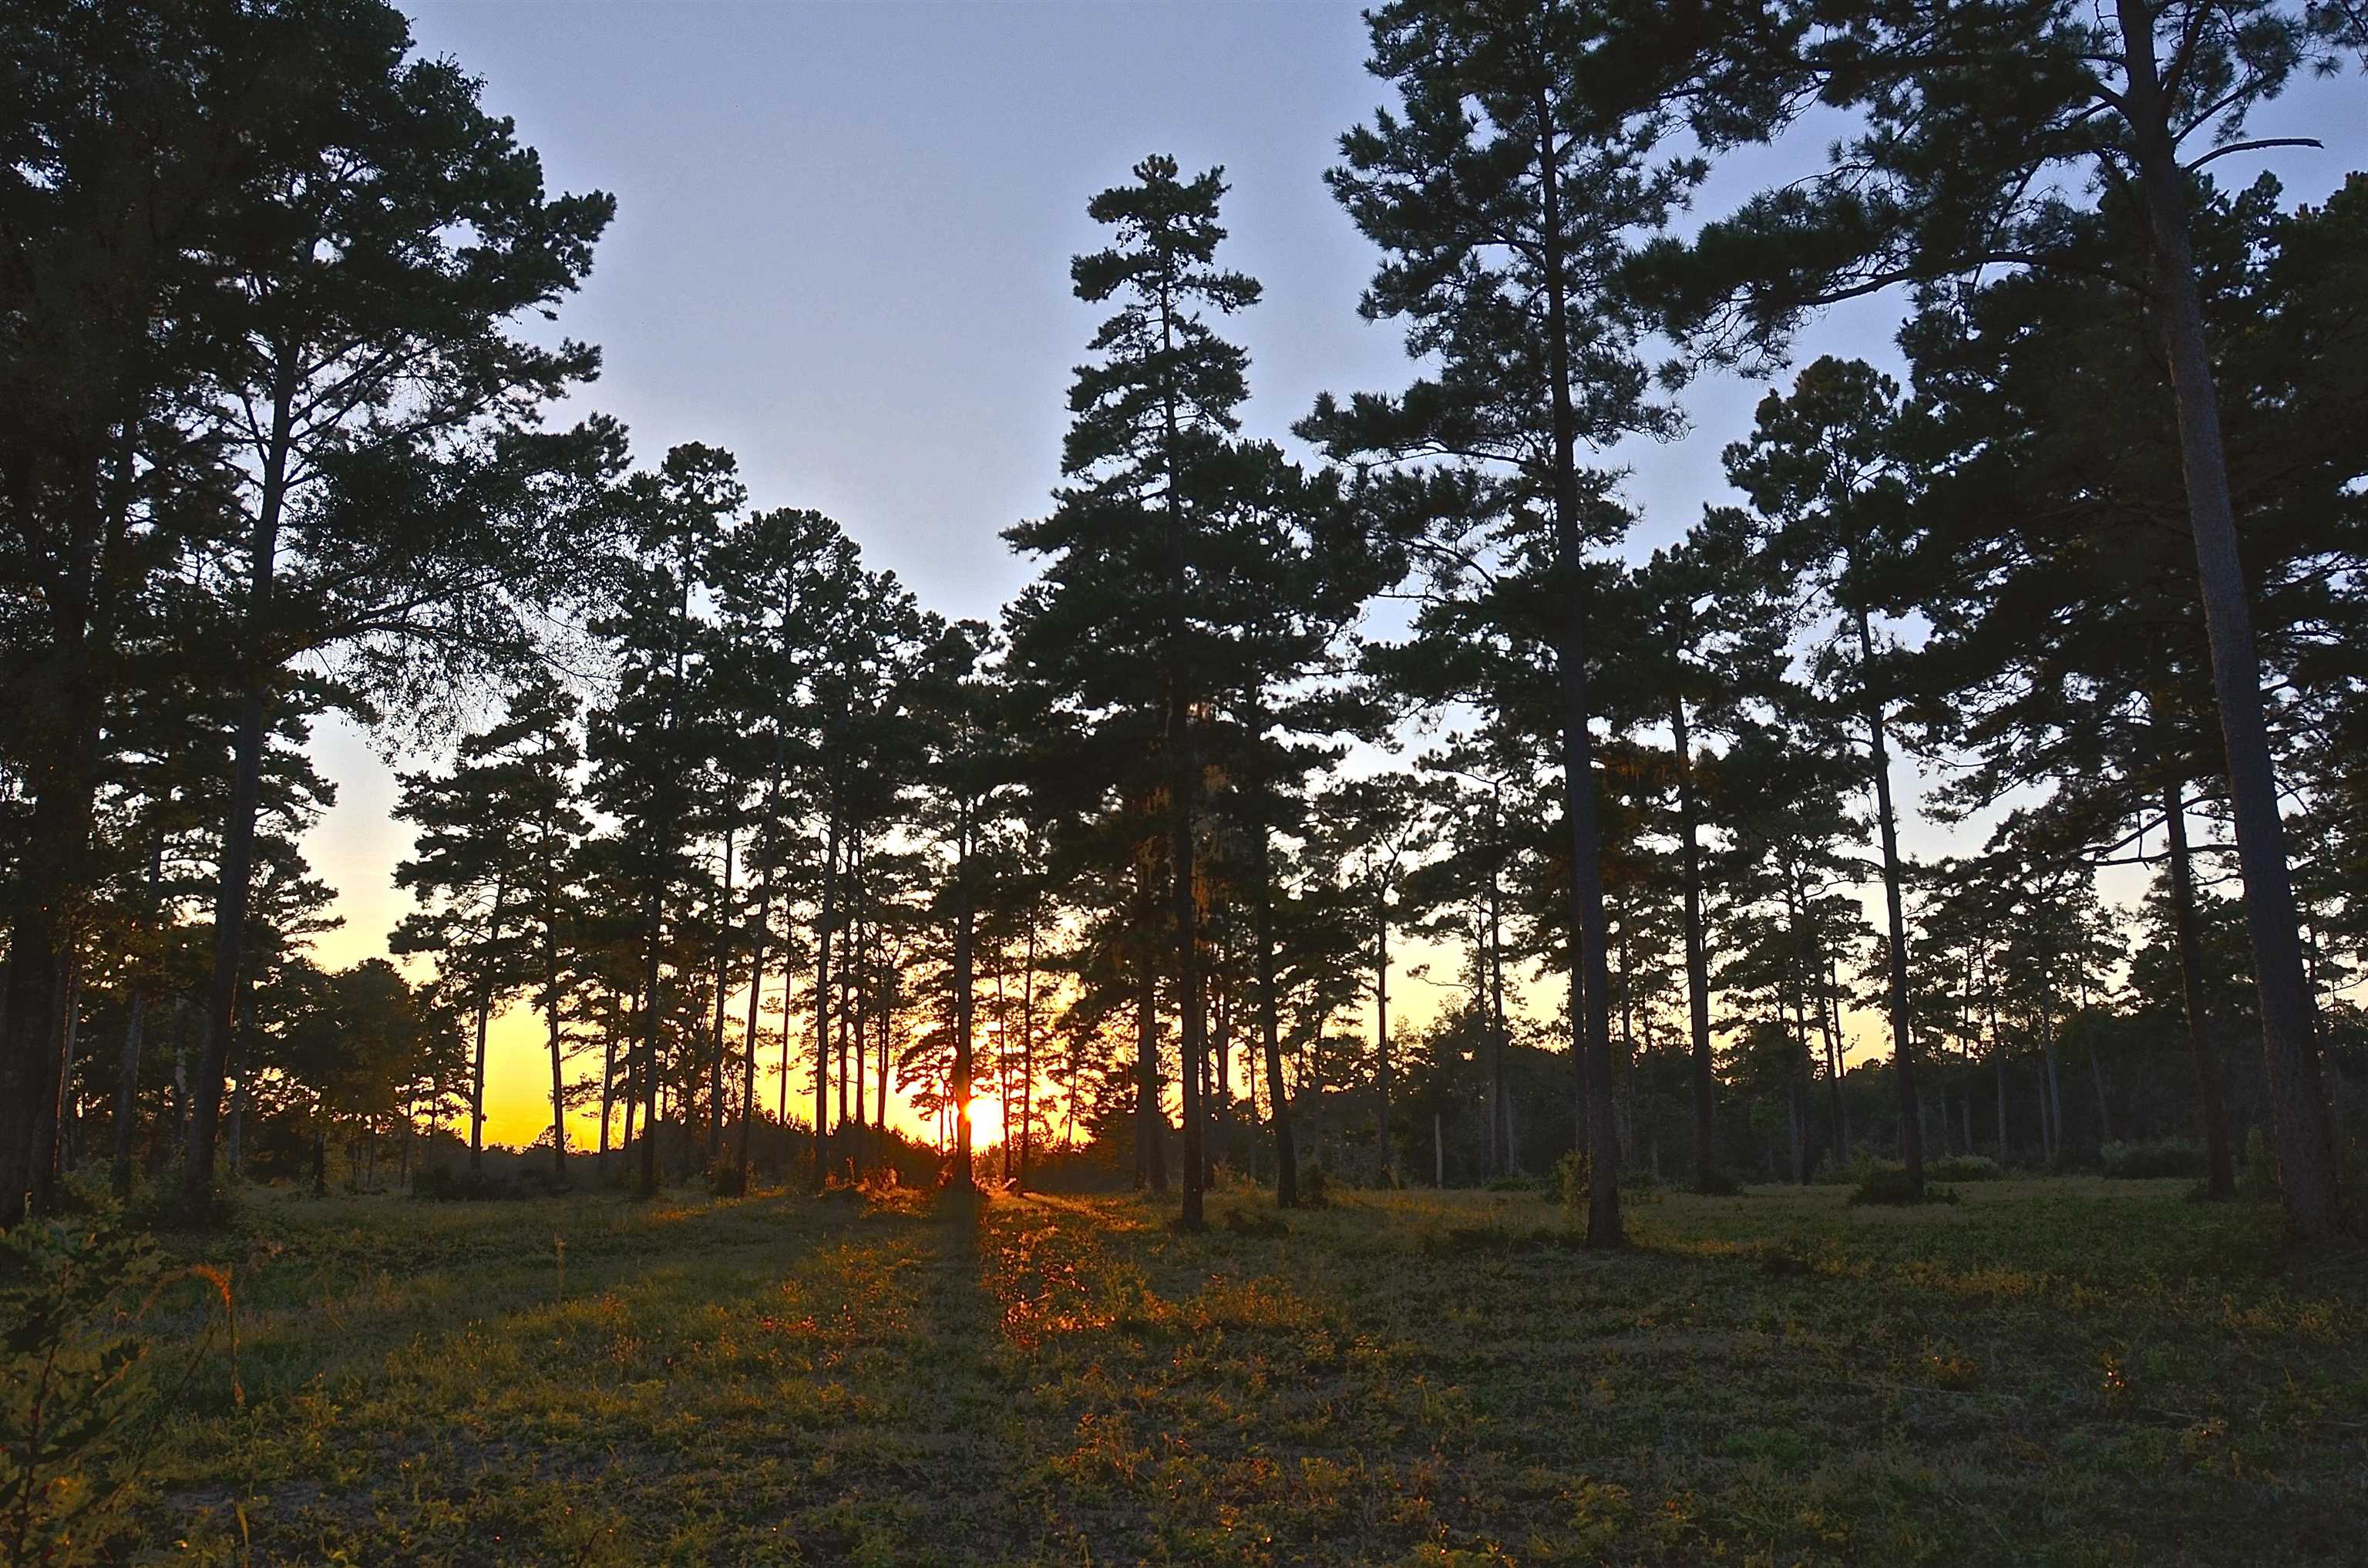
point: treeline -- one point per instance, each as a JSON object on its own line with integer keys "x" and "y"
{"x": 755, "y": 837}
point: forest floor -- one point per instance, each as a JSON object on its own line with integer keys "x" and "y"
{"x": 2067, "y": 1372}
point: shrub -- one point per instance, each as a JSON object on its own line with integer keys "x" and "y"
{"x": 2162, "y": 1157}
{"x": 1887, "y": 1184}
{"x": 81, "y": 1402}
{"x": 1963, "y": 1168}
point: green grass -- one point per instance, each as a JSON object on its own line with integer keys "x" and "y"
{"x": 2048, "y": 1372}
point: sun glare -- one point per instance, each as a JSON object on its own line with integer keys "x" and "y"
{"x": 986, "y": 1120}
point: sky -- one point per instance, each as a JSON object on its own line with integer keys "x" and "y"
{"x": 841, "y": 253}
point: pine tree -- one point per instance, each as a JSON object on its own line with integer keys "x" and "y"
{"x": 1145, "y": 458}
{"x": 398, "y": 508}
{"x": 1825, "y": 466}
{"x": 1503, "y": 213}
{"x": 652, "y": 747}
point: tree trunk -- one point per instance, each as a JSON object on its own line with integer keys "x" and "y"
{"x": 237, "y": 862}
{"x": 757, "y": 935}
{"x": 607, "y": 1089}
{"x": 1150, "y": 1120}
{"x": 1381, "y": 1141}
{"x": 2047, "y": 1056}
{"x": 1902, "y": 1034}
{"x": 60, "y": 774}
{"x": 650, "y": 1027}
{"x": 2219, "y": 1163}
{"x": 1590, "y": 967}
{"x": 1286, "y": 1151}
{"x": 2302, "y": 1136}
{"x": 1027, "y": 1053}
{"x": 127, "y": 1088}
{"x": 714, "y": 1139}
{"x": 1997, "y": 1052}
{"x": 550, "y": 1024}
{"x": 822, "y": 993}
{"x": 2104, "y": 1110}
{"x": 1500, "y": 1113}
{"x": 31, "y": 1024}
{"x": 1705, "y": 1080}
{"x": 963, "y": 1002}
{"x": 887, "y": 1016}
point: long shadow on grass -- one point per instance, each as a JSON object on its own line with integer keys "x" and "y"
{"x": 678, "y": 1389}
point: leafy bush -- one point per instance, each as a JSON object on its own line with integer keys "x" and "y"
{"x": 2162, "y": 1157}
{"x": 1963, "y": 1168}
{"x": 1887, "y": 1184}
{"x": 81, "y": 1402}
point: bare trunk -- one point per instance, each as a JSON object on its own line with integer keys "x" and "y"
{"x": 1150, "y": 1119}
{"x": 651, "y": 1013}
{"x": 1705, "y": 1080}
{"x": 963, "y": 979}
{"x": 2302, "y": 1136}
{"x": 822, "y": 995}
{"x": 1381, "y": 1141}
{"x": 1903, "y": 1035}
{"x": 722, "y": 983}
{"x": 1590, "y": 971}
{"x": 2219, "y": 1163}
{"x": 237, "y": 863}
{"x": 1027, "y": 1054}
{"x": 1286, "y": 1150}
{"x": 1500, "y": 1113}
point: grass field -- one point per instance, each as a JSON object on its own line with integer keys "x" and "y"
{"x": 2067, "y": 1372}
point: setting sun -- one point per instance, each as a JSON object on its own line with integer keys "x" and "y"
{"x": 986, "y": 1120}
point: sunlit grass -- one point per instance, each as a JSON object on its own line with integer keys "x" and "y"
{"x": 2049, "y": 1372}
